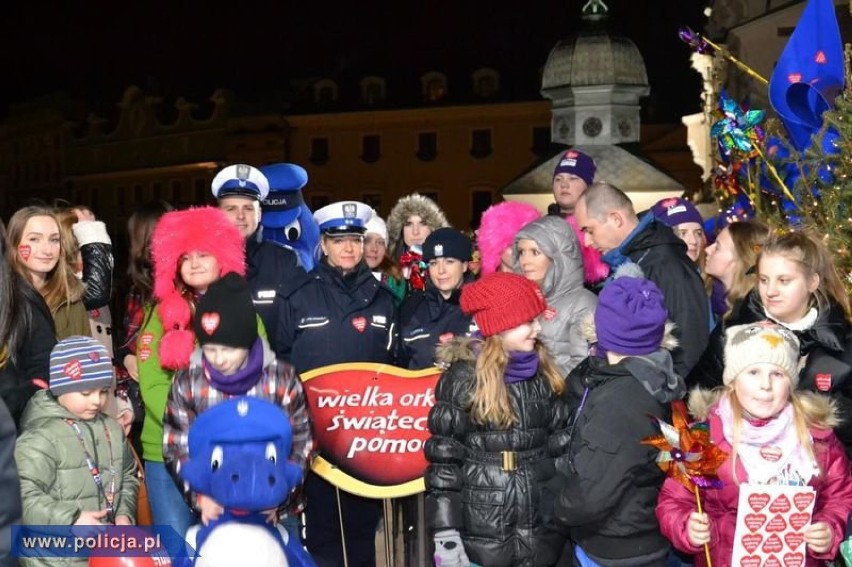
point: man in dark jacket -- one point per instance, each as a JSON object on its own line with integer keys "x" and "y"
{"x": 606, "y": 217}
{"x": 270, "y": 267}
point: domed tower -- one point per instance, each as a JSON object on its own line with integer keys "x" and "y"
{"x": 595, "y": 80}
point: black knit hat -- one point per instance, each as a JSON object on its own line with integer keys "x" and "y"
{"x": 225, "y": 314}
{"x": 447, "y": 242}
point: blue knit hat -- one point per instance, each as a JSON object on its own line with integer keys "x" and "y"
{"x": 630, "y": 317}
{"x": 79, "y": 364}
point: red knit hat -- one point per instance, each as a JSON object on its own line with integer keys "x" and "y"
{"x": 502, "y": 301}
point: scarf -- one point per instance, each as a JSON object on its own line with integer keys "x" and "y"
{"x": 802, "y": 324}
{"x": 522, "y": 366}
{"x": 769, "y": 449}
{"x": 616, "y": 257}
{"x": 243, "y": 379}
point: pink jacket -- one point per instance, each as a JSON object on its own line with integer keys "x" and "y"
{"x": 833, "y": 501}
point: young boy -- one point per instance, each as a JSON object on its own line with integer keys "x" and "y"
{"x": 73, "y": 461}
{"x": 607, "y": 485}
{"x": 232, "y": 360}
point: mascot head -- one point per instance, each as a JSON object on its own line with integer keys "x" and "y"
{"x": 239, "y": 455}
{"x": 284, "y": 216}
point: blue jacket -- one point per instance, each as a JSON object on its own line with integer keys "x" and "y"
{"x": 331, "y": 318}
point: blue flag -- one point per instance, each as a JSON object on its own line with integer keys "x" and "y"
{"x": 809, "y": 73}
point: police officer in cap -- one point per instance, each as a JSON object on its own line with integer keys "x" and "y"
{"x": 341, "y": 314}
{"x": 270, "y": 267}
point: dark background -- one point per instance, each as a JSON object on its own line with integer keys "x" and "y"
{"x": 94, "y": 50}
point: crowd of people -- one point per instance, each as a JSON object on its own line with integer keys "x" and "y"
{"x": 574, "y": 328}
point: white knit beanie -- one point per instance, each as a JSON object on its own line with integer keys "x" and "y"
{"x": 761, "y": 342}
{"x": 377, "y": 225}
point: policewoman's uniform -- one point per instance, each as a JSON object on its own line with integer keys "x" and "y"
{"x": 270, "y": 267}
{"x": 336, "y": 318}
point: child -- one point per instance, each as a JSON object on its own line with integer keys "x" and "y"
{"x": 606, "y": 489}
{"x": 74, "y": 463}
{"x": 760, "y": 408}
{"x": 496, "y": 420}
{"x": 232, "y": 360}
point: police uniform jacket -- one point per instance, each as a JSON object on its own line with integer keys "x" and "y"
{"x": 331, "y": 318}
{"x": 427, "y": 320}
{"x": 271, "y": 268}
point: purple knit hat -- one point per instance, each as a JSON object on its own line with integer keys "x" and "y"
{"x": 630, "y": 317}
{"x": 674, "y": 211}
{"x": 576, "y": 163}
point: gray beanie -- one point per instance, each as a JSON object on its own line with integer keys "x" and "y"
{"x": 79, "y": 364}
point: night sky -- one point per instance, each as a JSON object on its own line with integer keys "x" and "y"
{"x": 96, "y": 49}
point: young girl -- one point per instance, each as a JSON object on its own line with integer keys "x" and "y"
{"x": 35, "y": 249}
{"x": 759, "y": 408}
{"x": 73, "y": 461}
{"x": 496, "y": 424}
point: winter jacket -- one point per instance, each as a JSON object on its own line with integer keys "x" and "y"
{"x": 96, "y": 251}
{"x": 826, "y": 348}
{"x": 332, "y": 318}
{"x": 427, "y": 320}
{"x": 155, "y": 382}
{"x": 662, "y": 257}
{"x": 191, "y": 393}
{"x": 27, "y": 367}
{"x": 606, "y": 489}
{"x": 568, "y": 302}
{"x": 471, "y": 484}
{"x": 414, "y": 204}
{"x": 833, "y": 488}
{"x": 56, "y": 483}
{"x": 10, "y": 487}
{"x": 72, "y": 319}
{"x": 269, "y": 268}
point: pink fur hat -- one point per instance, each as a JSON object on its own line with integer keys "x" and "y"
{"x": 594, "y": 269}
{"x": 497, "y": 229}
{"x": 203, "y": 229}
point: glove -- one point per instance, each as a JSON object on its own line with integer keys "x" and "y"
{"x": 449, "y": 550}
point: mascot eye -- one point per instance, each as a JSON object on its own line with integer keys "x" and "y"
{"x": 216, "y": 458}
{"x": 271, "y": 453}
{"x": 293, "y": 230}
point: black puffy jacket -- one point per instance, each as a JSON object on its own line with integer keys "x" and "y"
{"x": 98, "y": 264}
{"x": 496, "y": 508}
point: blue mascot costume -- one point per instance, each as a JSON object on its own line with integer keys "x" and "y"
{"x": 284, "y": 216}
{"x": 238, "y": 455}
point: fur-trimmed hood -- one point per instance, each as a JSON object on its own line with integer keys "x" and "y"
{"x": 497, "y": 229}
{"x": 414, "y": 204}
{"x": 204, "y": 229}
{"x": 457, "y": 349}
{"x": 820, "y": 410}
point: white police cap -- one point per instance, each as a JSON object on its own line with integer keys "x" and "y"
{"x": 343, "y": 217}
{"x": 240, "y": 179}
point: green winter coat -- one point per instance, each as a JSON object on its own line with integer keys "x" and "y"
{"x": 56, "y": 484}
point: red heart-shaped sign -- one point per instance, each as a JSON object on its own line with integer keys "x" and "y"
{"x": 754, "y": 521}
{"x": 776, "y": 524}
{"x": 771, "y": 453}
{"x": 210, "y": 322}
{"x": 750, "y": 561}
{"x": 73, "y": 369}
{"x": 799, "y": 520}
{"x": 794, "y": 559}
{"x": 751, "y": 541}
{"x": 370, "y": 421}
{"x": 24, "y": 251}
{"x": 794, "y": 539}
{"x": 773, "y": 544}
{"x": 803, "y": 499}
{"x": 780, "y": 505}
{"x": 758, "y": 500}
{"x": 772, "y": 561}
{"x": 360, "y": 323}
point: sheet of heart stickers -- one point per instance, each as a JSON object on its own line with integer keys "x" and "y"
{"x": 770, "y": 525}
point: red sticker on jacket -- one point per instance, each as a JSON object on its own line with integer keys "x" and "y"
{"x": 823, "y": 382}
{"x": 445, "y": 338}
{"x": 24, "y": 251}
{"x": 771, "y": 453}
{"x": 360, "y": 323}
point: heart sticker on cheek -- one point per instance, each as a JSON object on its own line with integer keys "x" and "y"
{"x": 24, "y": 251}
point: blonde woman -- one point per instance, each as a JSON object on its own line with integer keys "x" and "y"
{"x": 496, "y": 425}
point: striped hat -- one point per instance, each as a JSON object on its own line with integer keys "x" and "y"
{"x": 78, "y": 364}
